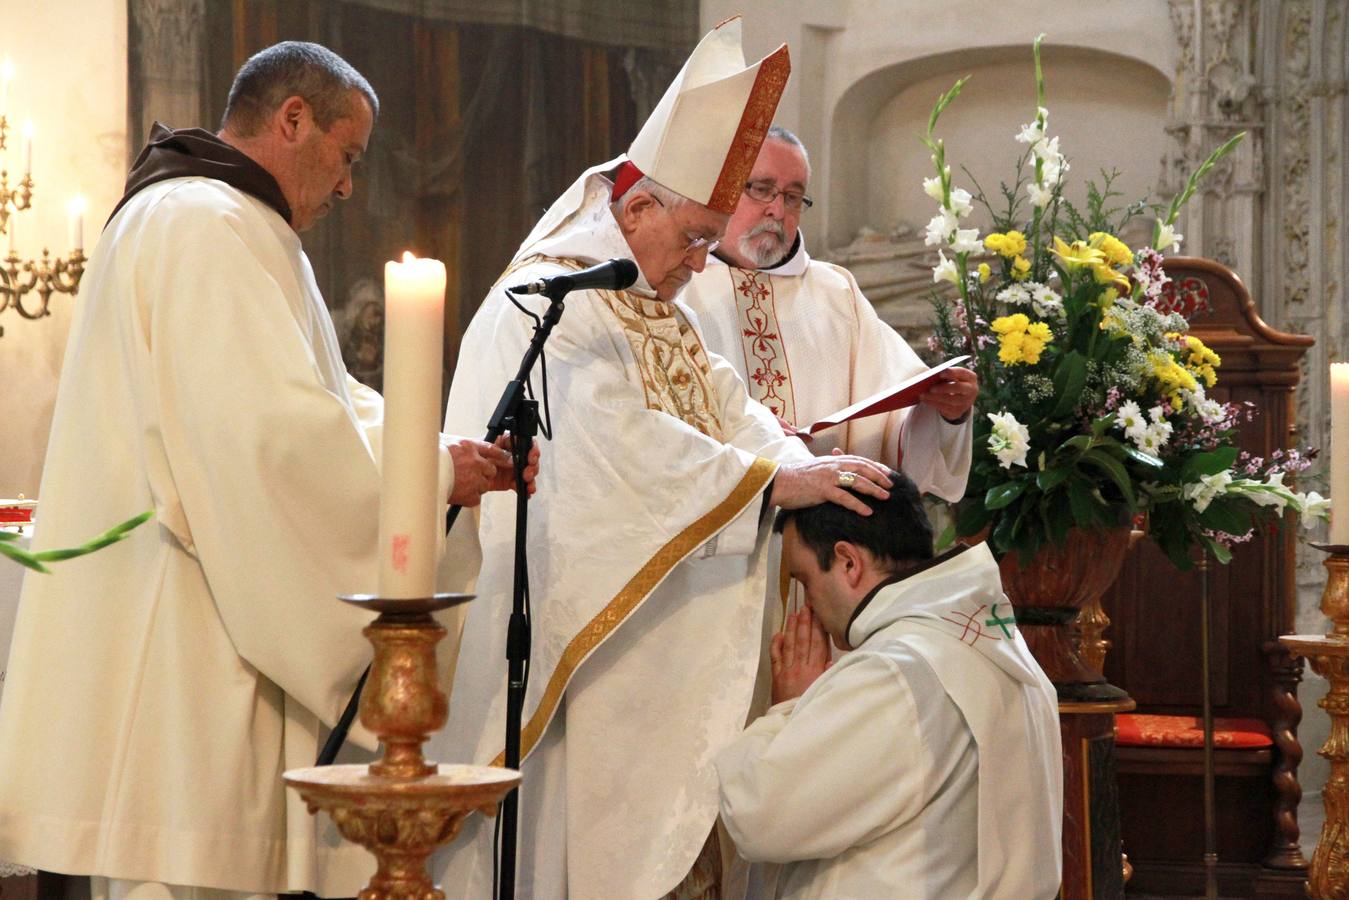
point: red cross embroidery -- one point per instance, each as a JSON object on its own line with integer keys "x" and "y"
{"x": 970, "y": 628}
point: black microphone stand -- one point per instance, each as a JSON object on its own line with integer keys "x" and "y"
{"x": 519, "y": 415}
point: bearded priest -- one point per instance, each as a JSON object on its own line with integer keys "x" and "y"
{"x": 648, "y": 533}
{"x": 806, "y": 341}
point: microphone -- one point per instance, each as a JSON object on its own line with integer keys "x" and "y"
{"x": 614, "y": 275}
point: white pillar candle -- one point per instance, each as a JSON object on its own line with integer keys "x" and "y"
{"x": 1339, "y": 453}
{"x": 27, "y": 148}
{"x": 77, "y": 223}
{"x": 411, "y": 511}
{"x": 13, "y": 223}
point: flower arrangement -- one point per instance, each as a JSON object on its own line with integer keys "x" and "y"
{"x": 1093, "y": 400}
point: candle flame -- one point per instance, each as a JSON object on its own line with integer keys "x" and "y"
{"x": 28, "y": 129}
{"x": 408, "y": 257}
{"x": 7, "y": 69}
{"x": 77, "y": 205}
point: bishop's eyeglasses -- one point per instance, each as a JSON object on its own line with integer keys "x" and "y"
{"x": 766, "y": 192}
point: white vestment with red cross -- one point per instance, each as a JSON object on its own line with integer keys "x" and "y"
{"x": 925, "y": 763}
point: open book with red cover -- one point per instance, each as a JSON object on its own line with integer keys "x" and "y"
{"x": 906, "y": 393}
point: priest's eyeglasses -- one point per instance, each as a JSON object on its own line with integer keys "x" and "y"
{"x": 696, "y": 244}
{"x": 766, "y": 192}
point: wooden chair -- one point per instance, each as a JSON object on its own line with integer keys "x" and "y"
{"x": 1156, "y": 655}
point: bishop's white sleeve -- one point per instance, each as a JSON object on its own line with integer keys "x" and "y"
{"x": 932, "y": 452}
{"x": 834, "y": 771}
{"x": 936, "y": 453}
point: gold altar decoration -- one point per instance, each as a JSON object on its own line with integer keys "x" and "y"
{"x": 46, "y": 275}
{"x": 402, "y": 807}
{"x": 1329, "y": 657}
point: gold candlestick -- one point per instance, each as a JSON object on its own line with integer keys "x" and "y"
{"x": 401, "y": 808}
{"x": 1329, "y": 657}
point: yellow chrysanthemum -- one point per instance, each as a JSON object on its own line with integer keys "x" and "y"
{"x": 1172, "y": 378}
{"x": 984, "y": 273}
{"x": 1117, "y": 253}
{"x": 1008, "y": 245}
{"x": 1198, "y": 358}
{"x": 1020, "y": 269}
{"x": 1077, "y": 254}
{"x": 1008, "y": 324}
{"x": 1020, "y": 340}
{"x": 1040, "y": 331}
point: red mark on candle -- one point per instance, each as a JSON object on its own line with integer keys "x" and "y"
{"x": 400, "y": 552}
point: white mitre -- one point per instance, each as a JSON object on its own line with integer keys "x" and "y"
{"x": 704, "y": 135}
{"x": 702, "y": 138}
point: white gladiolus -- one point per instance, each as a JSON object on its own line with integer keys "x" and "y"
{"x": 1039, "y": 196}
{"x": 961, "y": 202}
{"x": 940, "y": 228}
{"x": 945, "y": 270}
{"x": 1168, "y": 239}
{"x": 967, "y": 241}
{"x": 932, "y": 187}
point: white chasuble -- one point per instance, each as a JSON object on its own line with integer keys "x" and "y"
{"x": 647, "y": 578}
{"x": 202, "y": 380}
{"x": 807, "y": 343}
{"x": 923, "y": 765}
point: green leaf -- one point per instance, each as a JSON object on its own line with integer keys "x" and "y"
{"x": 1082, "y": 503}
{"x": 1069, "y": 381}
{"x": 1222, "y": 554}
{"x": 1210, "y": 463}
{"x": 1139, "y": 456}
{"x": 111, "y": 536}
{"x": 1049, "y": 479}
{"x": 1226, "y": 514}
{"x": 23, "y": 558}
{"x": 972, "y": 518}
{"x": 1080, "y": 442}
{"x": 945, "y": 539}
{"x": 1003, "y": 494}
{"x": 9, "y": 535}
{"x": 1117, "y": 473}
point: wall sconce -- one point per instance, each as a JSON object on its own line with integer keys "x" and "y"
{"x": 20, "y": 278}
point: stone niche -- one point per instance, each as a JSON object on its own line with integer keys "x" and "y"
{"x": 1108, "y": 110}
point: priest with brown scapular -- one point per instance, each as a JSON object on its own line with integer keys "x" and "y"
{"x": 156, "y": 691}
{"x": 648, "y": 534}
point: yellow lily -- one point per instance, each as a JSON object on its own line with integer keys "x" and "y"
{"x": 1077, "y": 254}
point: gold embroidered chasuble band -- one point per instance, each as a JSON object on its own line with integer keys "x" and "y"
{"x": 676, "y": 380}
{"x": 676, "y": 376}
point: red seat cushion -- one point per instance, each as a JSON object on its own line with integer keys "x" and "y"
{"x": 1135, "y": 730}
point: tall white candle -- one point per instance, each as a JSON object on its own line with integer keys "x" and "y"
{"x": 13, "y": 223}
{"x": 410, "y": 512}
{"x": 77, "y": 222}
{"x": 1339, "y": 453}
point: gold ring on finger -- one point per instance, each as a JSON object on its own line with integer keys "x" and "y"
{"x": 847, "y": 479}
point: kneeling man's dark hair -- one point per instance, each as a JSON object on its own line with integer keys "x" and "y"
{"x": 898, "y": 532}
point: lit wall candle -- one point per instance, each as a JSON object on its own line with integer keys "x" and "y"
{"x": 410, "y": 511}
{"x": 1339, "y": 453}
{"x": 27, "y": 148}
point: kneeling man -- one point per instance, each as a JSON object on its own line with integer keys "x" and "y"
{"x": 924, "y": 764}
